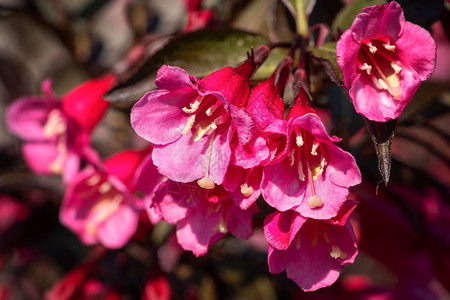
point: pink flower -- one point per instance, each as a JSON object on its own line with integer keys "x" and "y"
{"x": 199, "y": 18}
{"x": 202, "y": 216}
{"x": 312, "y": 252}
{"x": 266, "y": 108}
{"x": 56, "y": 133}
{"x": 314, "y": 176}
{"x": 189, "y": 120}
{"x": 99, "y": 205}
{"x": 383, "y": 59}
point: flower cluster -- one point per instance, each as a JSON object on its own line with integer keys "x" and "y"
{"x": 222, "y": 145}
{"x": 218, "y": 147}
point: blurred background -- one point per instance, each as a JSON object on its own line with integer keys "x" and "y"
{"x": 403, "y": 230}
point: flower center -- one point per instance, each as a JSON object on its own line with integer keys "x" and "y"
{"x": 55, "y": 125}
{"x": 108, "y": 201}
{"x": 378, "y": 61}
{"x": 307, "y": 153}
{"x": 206, "y": 115}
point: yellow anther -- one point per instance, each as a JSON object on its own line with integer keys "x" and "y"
{"x": 315, "y": 201}
{"x": 314, "y": 147}
{"x": 319, "y": 169}
{"x": 389, "y": 47}
{"x": 93, "y": 180}
{"x": 55, "y": 124}
{"x": 194, "y": 106}
{"x": 246, "y": 190}
{"x": 105, "y": 187}
{"x": 396, "y": 67}
{"x": 206, "y": 183}
{"x": 337, "y": 253}
{"x": 366, "y": 67}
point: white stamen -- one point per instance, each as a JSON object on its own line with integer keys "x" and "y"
{"x": 315, "y": 145}
{"x": 366, "y": 67}
{"x": 301, "y": 175}
{"x": 299, "y": 140}
{"x": 211, "y": 110}
{"x": 104, "y": 187}
{"x": 396, "y": 67}
{"x": 292, "y": 157}
{"x": 93, "y": 180}
{"x": 372, "y": 49}
{"x": 223, "y": 226}
{"x": 202, "y": 131}
{"x": 319, "y": 170}
{"x": 189, "y": 124}
{"x": 389, "y": 47}
{"x": 383, "y": 84}
{"x": 194, "y": 106}
{"x": 337, "y": 253}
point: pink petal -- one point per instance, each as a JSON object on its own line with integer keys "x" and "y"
{"x": 199, "y": 229}
{"x": 147, "y": 177}
{"x": 244, "y": 124}
{"x": 309, "y": 261}
{"x": 41, "y": 156}
{"x": 312, "y": 123}
{"x": 281, "y": 228}
{"x": 250, "y": 155}
{"x": 347, "y": 49}
{"x": 254, "y": 178}
{"x": 171, "y": 200}
{"x": 85, "y": 104}
{"x": 281, "y": 187}
{"x": 342, "y": 167}
{"x": 227, "y": 85}
{"x": 173, "y": 78}
{"x": 118, "y": 229}
{"x": 27, "y": 117}
{"x": 276, "y": 260}
{"x": 123, "y": 165}
{"x": 382, "y": 106}
{"x": 417, "y": 49}
{"x": 158, "y": 117}
{"x": 187, "y": 161}
{"x": 238, "y": 221}
{"x": 385, "y": 20}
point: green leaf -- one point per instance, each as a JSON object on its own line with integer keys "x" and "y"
{"x": 345, "y": 17}
{"x": 199, "y": 53}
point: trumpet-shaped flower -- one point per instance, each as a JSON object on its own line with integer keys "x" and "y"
{"x": 56, "y": 133}
{"x": 188, "y": 120}
{"x": 266, "y": 108}
{"x": 99, "y": 205}
{"x": 312, "y": 252}
{"x": 203, "y": 216}
{"x": 314, "y": 176}
{"x": 383, "y": 59}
